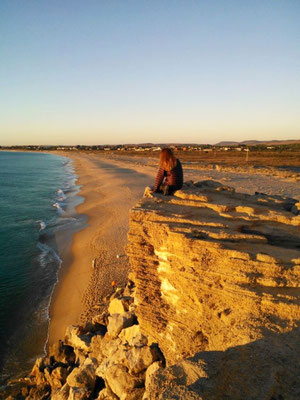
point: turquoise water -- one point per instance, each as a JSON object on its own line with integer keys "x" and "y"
{"x": 38, "y": 195}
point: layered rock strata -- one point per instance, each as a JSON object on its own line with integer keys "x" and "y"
{"x": 217, "y": 276}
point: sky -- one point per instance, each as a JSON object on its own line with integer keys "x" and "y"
{"x": 117, "y": 71}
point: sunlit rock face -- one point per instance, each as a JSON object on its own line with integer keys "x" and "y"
{"x": 214, "y": 269}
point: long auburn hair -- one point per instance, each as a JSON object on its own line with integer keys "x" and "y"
{"x": 167, "y": 159}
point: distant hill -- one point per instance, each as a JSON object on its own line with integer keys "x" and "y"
{"x": 257, "y": 142}
{"x": 224, "y": 143}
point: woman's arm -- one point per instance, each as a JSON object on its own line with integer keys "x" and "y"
{"x": 159, "y": 178}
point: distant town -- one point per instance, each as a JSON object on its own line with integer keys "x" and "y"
{"x": 293, "y": 146}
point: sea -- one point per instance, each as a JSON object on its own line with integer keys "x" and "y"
{"x": 38, "y": 199}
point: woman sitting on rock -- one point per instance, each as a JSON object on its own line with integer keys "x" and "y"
{"x": 169, "y": 176}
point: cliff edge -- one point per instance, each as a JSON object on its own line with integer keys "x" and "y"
{"x": 211, "y": 309}
{"x": 217, "y": 277}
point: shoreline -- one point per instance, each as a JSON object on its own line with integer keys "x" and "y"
{"x": 50, "y": 232}
{"x": 88, "y": 269}
{"x": 110, "y": 187}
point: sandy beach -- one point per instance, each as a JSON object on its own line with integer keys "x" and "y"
{"x": 111, "y": 186}
{"x": 97, "y": 255}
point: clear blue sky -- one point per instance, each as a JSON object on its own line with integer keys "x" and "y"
{"x": 94, "y": 72}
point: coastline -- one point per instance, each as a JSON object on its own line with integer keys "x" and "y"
{"x": 147, "y": 363}
{"x": 44, "y": 215}
{"x": 96, "y": 257}
{"x": 110, "y": 187}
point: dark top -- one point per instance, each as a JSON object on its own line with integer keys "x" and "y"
{"x": 174, "y": 178}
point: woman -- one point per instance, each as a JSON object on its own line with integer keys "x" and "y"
{"x": 169, "y": 176}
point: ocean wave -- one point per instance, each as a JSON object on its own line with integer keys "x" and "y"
{"x": 59, "y": 209}
{"x": 60, "y": 195}
{"x": 42, "y": 225}
{"x": 46, "y": 253}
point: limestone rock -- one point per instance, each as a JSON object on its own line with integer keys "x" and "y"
{"x": 56, "y": 377}
{"x": 109, "y": 347}
{"x": 107, "y": 394}
{"x": 76, "y": 339}
{"x": 133, "y": 336}
{"x": 117, "y": 355}
{"x": 62, "y": 353}
{"x": 96, "y": 346}
{"x": 122, "y": 383}
{"x": 84, "y": 376}
{"x": 79, "y": 393}
{"x": 101, "y": 319}
{"x": 117, "y": 306}
{"x": 138, "y": 359}
{"x": 117, "y": 322}
{"x": 258, "y": 370}
{"x": 61, "y": 394}
{"x": 38, "y": 372}
{"x": 214, "y": 269}
{"x": 151, "y": 370}
{"x": 80, "y": 356}
{"x": 39, "y": 393}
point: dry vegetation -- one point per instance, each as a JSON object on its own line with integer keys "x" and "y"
{"x": 233, "y": 158}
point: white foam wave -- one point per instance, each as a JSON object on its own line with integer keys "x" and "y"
{"x": 61, "y": 195}
{"x": 59, "y": 209}
{"x": 42, "y": 225}
{"x": 46, "y": 252}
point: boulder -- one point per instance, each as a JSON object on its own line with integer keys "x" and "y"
{"x": 133, "y": 336}
{"x": 38, "y": 372}
{"x": 80, "y": 356}
{"x": 83, "y": 376}
{"x": 133, "y": 394}
{"x": 151, "y": 370}
{"x": 121, "y": 382}
{"x": 117, "y": 322}
{"x": 117, "y": 356}
{"x": 139, "y": 358}
{"x": 61, "y": 394}
{"x": 109, "y": 347}
{"x": 62, "y": 353}
{"x": 107, "y": 394}
{"x": 76, "y": 339}
{"x": 39, "y": 393}
{"x": 96, "y": 347}
{"x": 117, "y": 306}
{"x": 79, "y": 393}
{"x": 57, "y": 377}
{"x": 101, "y": 319}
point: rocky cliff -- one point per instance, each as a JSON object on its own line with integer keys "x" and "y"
{"x": 217, "y": 277}
{"x": 211, "y": 309}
